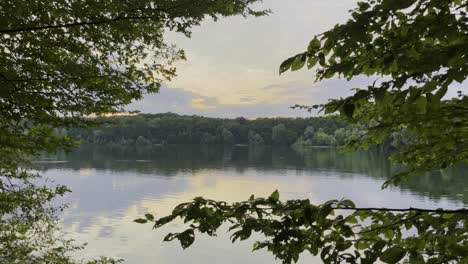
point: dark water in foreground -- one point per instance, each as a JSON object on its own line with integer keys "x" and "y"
{"x": 113, "y": 187}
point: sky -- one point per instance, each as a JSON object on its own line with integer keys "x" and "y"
{"x": 232, "y": 64}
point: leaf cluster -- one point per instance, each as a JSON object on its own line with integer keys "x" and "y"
{"x": 336, "y": 230}
{"x": 415, "y": 50}
{"x": 61, "y": 62}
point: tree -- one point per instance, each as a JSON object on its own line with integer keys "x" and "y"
{"x": 228, "y": 137}
{"x": 340, "y": 136}
{"x": 309, "y": 132}
{"x": 207, "y": 139}
{"x": 307, "y": 138}
{"x": 281, "y": 135}
{"x": 60, "y": 62}
{"x": 255, "y": 139}
{"x": 419, "y": 47}
{"x": 179, "y": 129}
{"x": 323, "y": 139}
{"x": 142, "y": 142}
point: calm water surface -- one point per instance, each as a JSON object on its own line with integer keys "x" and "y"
{"x": 112, "y": 187}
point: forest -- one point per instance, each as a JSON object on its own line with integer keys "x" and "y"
{"x": 149, "y": 130}
{"x": 168, "y": 128}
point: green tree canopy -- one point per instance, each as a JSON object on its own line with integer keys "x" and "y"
{"x": 67, "y": 59}
{"x": 415, "y": 50}
{"x": 62, "y": 61}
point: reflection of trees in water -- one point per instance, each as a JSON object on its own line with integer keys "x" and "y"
{"x": 450, "y": 183}
{"x": 370, "y": 163}
{"x": 169, "y": 160}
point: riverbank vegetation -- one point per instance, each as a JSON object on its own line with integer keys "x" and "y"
{"x": 159, "y": 129}
{"x": 151, "y": 130}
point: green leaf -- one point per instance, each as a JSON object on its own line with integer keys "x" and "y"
{"x": 286, "y": 65}
{"x": 311, "y": 62}
{"x": 348, "y": 110}
{"x": 170, "y": 237}
{"x": 275, "y": 196}
{"x": 347, "y": 204}
{"x": 448, "y": 215}
{"x": 389, "y": 233}
{"x": 430, "y": 86}
{"x": 433, "y": 102}
{"x": 314, "y": 45}
{"x": 140, "y": 221}
{"x": 351, "y": 220}
{"x": 186, "y": 238}
{"x": 421, "y": 104}
{"x": 363, "y": 6}
{"x": 314, "y": 249}
{"x": 259, "y": 245}
{"x": 298, "y": 62}
{"x": 150, "y": 217}
{"x": 416, "y": 258}
{"x": 441, "y": 92}
{"x": 394, "y": 66}
{"x": 392, "y": 255}
{"x": 361, "y": 245}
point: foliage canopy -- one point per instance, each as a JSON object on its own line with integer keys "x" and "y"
{"x": 417, "y": 47}
{"x": 61, "y": 61}
{"x": 169, "y": 128}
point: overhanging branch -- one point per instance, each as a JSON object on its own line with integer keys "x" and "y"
{"x": 410, "y": 209}
{"x": 121, "y": 17}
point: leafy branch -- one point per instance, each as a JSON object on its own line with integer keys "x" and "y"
{"x": 296, "y": 226}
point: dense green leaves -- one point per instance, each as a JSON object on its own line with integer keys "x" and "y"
{"x": 336, "y": 231}
{"x": 392, "y": 255}
{"x": 83, "y": 58}
{"x": 147, "y": 130}
{"x": 60, "y": 62}
{"x": 418, "y": 47}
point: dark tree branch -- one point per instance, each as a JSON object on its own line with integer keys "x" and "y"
{"x": 392, "y": 224}
{"x": 49, "y": 79}
{"x": 121, "y": 17}
{"x": 411, "y": 209}
{"x": 76, "y": 24}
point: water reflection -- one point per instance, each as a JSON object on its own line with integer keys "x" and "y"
{"x": 169, "y": 161}
{"x": 111, "y": 187}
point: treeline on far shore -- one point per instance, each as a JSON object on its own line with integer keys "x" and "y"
{"x": 168, "y": 128}
{"x": 146, "y": 130}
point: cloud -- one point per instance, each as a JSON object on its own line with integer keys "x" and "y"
{"x": 202, "y": 102}
{"x": 233, "y": 59}
{"x": 173, "y": 100}
{"x": 248, "y": 99}
{"x": 232, "y": 65}
{"x": 186, "y": 102}
{"x": 286, "y": 94}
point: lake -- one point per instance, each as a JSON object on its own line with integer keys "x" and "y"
{"x": 112, "y": 187}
